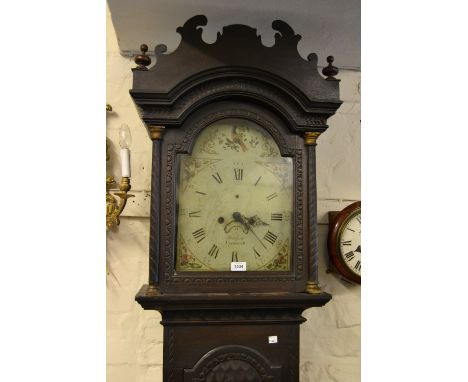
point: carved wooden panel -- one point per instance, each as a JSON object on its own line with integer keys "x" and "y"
{"x": 233, "y": 363}
{"x": 203, "y": 350}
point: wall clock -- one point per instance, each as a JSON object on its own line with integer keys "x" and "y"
{"x": 233, "y": 255}
{"x": 344, "y": 242}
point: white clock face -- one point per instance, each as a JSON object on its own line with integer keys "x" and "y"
{"x": 234, "y": 201}
{"x": 349, "y": 242}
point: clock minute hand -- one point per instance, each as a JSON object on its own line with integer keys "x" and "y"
{"x": 261, "y": 242}
{"x": 239, "y": 218}
{"x": 255, "y": 220}
{"x": 358, "y": 249}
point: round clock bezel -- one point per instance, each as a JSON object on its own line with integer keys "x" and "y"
{"x": 334, "y": 234}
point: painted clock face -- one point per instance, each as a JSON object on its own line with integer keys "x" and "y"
{"x": 234, "y": 201}
{"x": 349, "y": 242}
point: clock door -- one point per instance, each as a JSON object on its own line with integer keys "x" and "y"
{"x": 235, "y": 212}
{"x": 234, "y": 201}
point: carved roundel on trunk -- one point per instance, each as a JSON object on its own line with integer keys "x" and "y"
{"x": 231, "y": 369}
{"x": 232, "y": 363}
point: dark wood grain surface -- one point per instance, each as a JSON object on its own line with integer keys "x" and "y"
{"x": 218, "y": 325}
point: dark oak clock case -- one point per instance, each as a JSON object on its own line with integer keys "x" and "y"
{"x": 218, "y": 325}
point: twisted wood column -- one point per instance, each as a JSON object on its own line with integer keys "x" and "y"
{"x": 156, "y": 133}
{"x": 310, "y": 139}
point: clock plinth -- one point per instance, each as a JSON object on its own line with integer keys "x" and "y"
{"x": 233, "y": 257}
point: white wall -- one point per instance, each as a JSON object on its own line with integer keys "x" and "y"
{"x": 330, "y": 339}
{"x": 327, "y": 27}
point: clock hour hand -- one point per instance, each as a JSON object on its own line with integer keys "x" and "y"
{"x": 235, "y": 223}
{"x": 239, "y": 218}
{"x": 358, "y": 249}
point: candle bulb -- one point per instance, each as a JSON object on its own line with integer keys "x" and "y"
{"x": 125, "y": 140}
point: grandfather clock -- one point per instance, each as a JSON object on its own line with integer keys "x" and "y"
{"x": 233, "y": 234}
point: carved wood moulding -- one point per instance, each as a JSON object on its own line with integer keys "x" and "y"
{"x": 240, "y": 301}
{"x": 233, "y": 363}
{"x": 237, "y": 64}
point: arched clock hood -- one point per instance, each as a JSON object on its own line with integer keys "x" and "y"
{"x": 236, "y": 65}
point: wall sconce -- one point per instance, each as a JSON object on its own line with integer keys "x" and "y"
{"x": 114, "y": 208}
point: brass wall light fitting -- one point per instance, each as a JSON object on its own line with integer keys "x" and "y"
{"x": 114, "y": 208}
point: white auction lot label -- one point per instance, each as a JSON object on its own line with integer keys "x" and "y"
{"x": 273, "y": 339}
{"x": 238, "y": 266}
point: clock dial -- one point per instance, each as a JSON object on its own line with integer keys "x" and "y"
{"x": 234, "y": 201}
{"x": 349, "y": 242}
